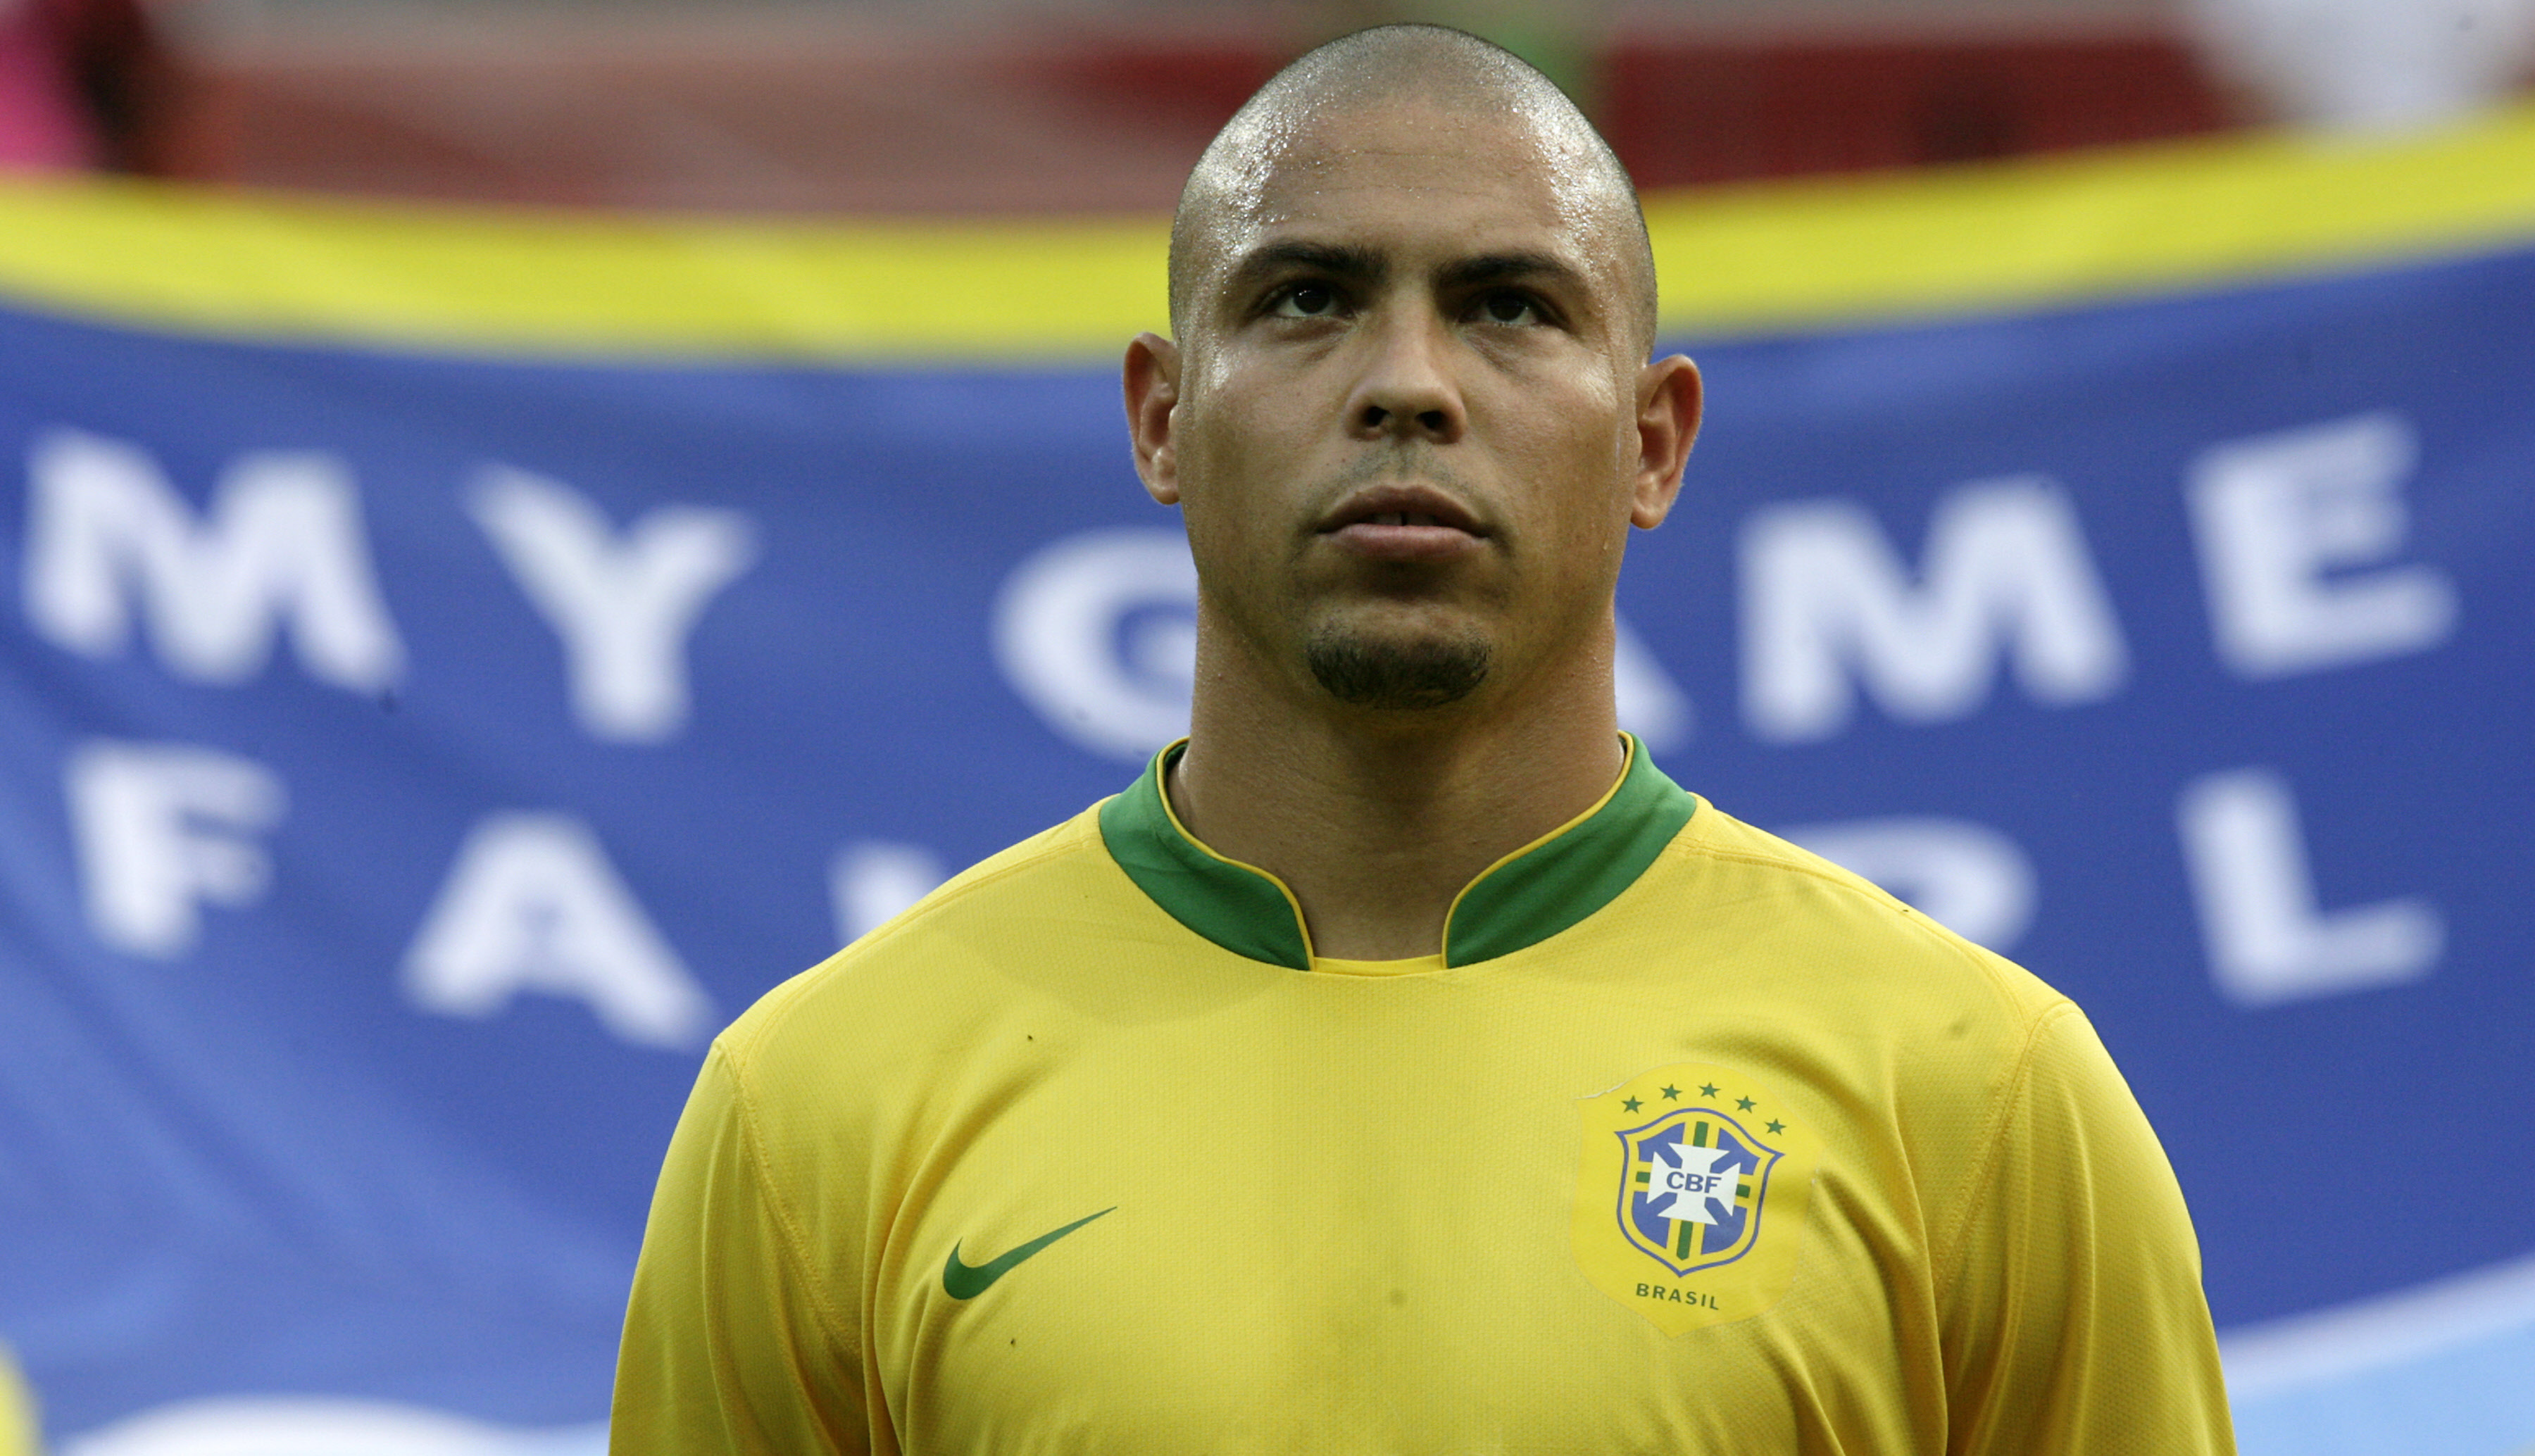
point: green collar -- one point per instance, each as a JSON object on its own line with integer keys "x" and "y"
{"x": 1522, "y": 900}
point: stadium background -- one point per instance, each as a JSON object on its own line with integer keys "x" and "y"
{"x": 524, "y": 528}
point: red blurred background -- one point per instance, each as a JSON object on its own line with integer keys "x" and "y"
{"x": 982, "y": 108}
{"x": 1048, "y": 105}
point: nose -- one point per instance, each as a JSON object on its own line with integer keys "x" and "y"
{"x": 1407, "y": 390}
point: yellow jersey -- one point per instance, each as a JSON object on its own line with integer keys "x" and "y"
{"x": 1688, "y": 1141}
{"x": 17, "y": 1412}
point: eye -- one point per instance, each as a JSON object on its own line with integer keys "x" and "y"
{"x": 1306, "y": 301}
{"x": 1508, "y": 308}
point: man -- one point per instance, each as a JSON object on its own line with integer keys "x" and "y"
{"x": 1405, "y": 1063}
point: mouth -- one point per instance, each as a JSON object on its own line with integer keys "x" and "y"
{"x": 1403, "y": 523}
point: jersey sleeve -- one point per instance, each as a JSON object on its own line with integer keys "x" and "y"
{"x": 17, "y": 1412}
{"x": 729, "y": 1346}
{"x": 2074, "y": 1318}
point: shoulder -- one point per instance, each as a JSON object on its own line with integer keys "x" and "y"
{"x": 924, "y": 978}
{"x": 1823, "y": 926}
{"x": 1938, "y": 1034}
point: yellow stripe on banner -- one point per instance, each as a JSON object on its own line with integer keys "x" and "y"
{"x": 516, "y": 282}
{"x": 2090, "y": 226}
{"x": 1735, "y": 259}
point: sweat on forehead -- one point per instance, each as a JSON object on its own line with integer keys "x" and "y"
{"x": 1427, "y": 66}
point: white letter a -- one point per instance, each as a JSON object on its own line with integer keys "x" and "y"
{"x": 534, "y": 905}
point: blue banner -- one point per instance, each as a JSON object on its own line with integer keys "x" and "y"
{"x": 411, "y": 762}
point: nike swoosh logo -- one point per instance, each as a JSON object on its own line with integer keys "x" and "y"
{"x": 967, "y": 1281}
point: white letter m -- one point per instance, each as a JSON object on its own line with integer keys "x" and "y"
{"x": 283, "y": 541}
{"x": 2006, "y": 573}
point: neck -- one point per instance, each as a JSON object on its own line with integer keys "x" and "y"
{"x": 1375, "y": 819}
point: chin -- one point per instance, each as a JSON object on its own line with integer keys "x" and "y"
{"x": 1398, "y": 671}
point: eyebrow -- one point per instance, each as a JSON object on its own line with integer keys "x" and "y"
{"x": 1509, "y": 268}
{"x": 1367, "y": 265}
{"x": 1339, "y": 260}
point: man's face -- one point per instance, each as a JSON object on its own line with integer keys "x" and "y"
{"x": 1406, "y": 432}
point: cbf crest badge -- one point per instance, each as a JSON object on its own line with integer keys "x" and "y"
{"x": 1690, "y": 1198}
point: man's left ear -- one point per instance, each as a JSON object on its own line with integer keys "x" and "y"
{"x": 1669, "y": 400}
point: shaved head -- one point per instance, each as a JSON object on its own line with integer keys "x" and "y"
{"x": 1437, "y": 69}
{"x": 1408, "y": 419}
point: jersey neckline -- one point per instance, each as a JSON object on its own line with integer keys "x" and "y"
{"x": 1522, "y": 900}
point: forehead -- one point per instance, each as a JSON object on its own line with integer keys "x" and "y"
{"x": 1416, "y": 176}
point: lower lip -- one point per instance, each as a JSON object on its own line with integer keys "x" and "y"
{"x": 1405, "y": 542}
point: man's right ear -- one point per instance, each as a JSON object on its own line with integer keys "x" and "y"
{"x": 1152, "y": 380}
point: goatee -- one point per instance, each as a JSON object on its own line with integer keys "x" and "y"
{"x": 1427, "y": 673}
